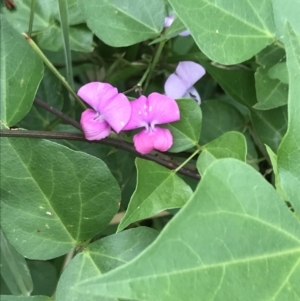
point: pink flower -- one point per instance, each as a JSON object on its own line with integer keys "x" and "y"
{"x": 110, "y": 110}
{"x": 148, "y": 112}
{"x": 168, "y": 22}
{"x": 181, "y": 83}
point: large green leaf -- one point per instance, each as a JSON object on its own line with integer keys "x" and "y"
{"x": 124, "y": 22}
{"x": 53, "y": 198}
{"x": 218, "y": 118}
{"x": 286, "y": 11}
{"x": 100, "y": 257}
{"x": 225, "y": 244}
{"x": 228, "y": 32}
{"x": 186, "y": 131}
{"x": 289, "y": 150}
{"x": 14, "y": 269}
{"x": 229, "y": 145}
{"x": 21, "y": 72}
{"x": 158, "y": 188}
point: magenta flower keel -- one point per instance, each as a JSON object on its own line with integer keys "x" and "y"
{"x": 110, "y": 109}
{"x": 148, "y": 113}
{"x": 181, "y": 83}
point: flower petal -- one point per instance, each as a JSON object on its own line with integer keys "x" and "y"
{"x": 184, "y": 33}
{"x": 139, "y": 114}
{"x": 146, "y": 141}
{"x": 143, "y": 142}
{"x": 95, "y": 93}
{"x": 116, "y": 111}
{"x": 175, "y": 87}
{"x": 93, "y": 128}
{"x": 193, "y": 94}
{"x": 162, "y": 109}
{"x": 169, "y": 20}
{"x": 162, "y": 139}
{"x": 189, "y": 72}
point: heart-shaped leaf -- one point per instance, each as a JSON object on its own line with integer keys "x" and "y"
{"x": 53, "y": 198}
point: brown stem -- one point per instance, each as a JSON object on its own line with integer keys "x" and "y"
{"x": 108, "y": 141}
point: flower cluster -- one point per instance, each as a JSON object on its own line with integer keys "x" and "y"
{"x": 112, "y": 110}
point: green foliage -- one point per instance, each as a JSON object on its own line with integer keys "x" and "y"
{"x": 21, "y": 73}
{"x": 232, "y": 244}
{"x": 44, "y": 207}
{"x": 215, "y": 217}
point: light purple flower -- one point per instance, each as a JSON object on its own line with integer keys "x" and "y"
{"x": 147, "y": 113}
{"x": 168, "y": 22}
{"x": 181, "y": 83}
{"x": 110, "y": 109}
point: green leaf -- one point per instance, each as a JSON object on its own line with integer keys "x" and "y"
{"x": 20, "y": 298}
{"x": 273, "y": 158}
{"x": 286, "y": 12}
{"x": 44, "y": 277}
{"x": 100, "y": 257}
{"x": 229, "y": 145}
{"x": 218, "y": 118}
{"x": 50, "y": 91}
{"x": 279, "y": 71}
{"x": 46, "y": 25}
{"x": 52, "y": 197}
{"x": 43, "y": 14}
{"x": 289, "y": 150}
{"x": 158, "y": 188}
{"x": 237, "y": 82}
{"x": 223, "y": 244}
{"x": 228, "y": 32}
{"x": 81, "y": 38}
{"x": 121, "y": 23}
{"x": 271, "y": 93}
{"x": 14, "y": 270}
{"x": 186, "y": 131}
{"x": 21, "y": 72}
{"x": 270, "y": 126}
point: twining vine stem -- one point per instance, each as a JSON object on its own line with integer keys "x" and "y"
{"x": 107, "y": 141}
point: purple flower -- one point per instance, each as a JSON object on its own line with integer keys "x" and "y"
{"x": 168, "y": 22}
{"x": 181, "y": 83}
{"x": 110, "y": 110}
{"x": 147, "y": 113}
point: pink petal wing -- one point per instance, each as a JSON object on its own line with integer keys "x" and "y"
{"x": 193, "y": 94}
{"x": 189, "y": 72}
{"x": 175, "y": 87}
{"x": 116, "y": 111}
{"x": 162, "y": 109}
{"x": 93, "y": 128}
{"x": 162, "y": 139}
{"x": 143, "y": 142}
{"x": 139, "y": 114}
{"x": 95, "y": 92}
